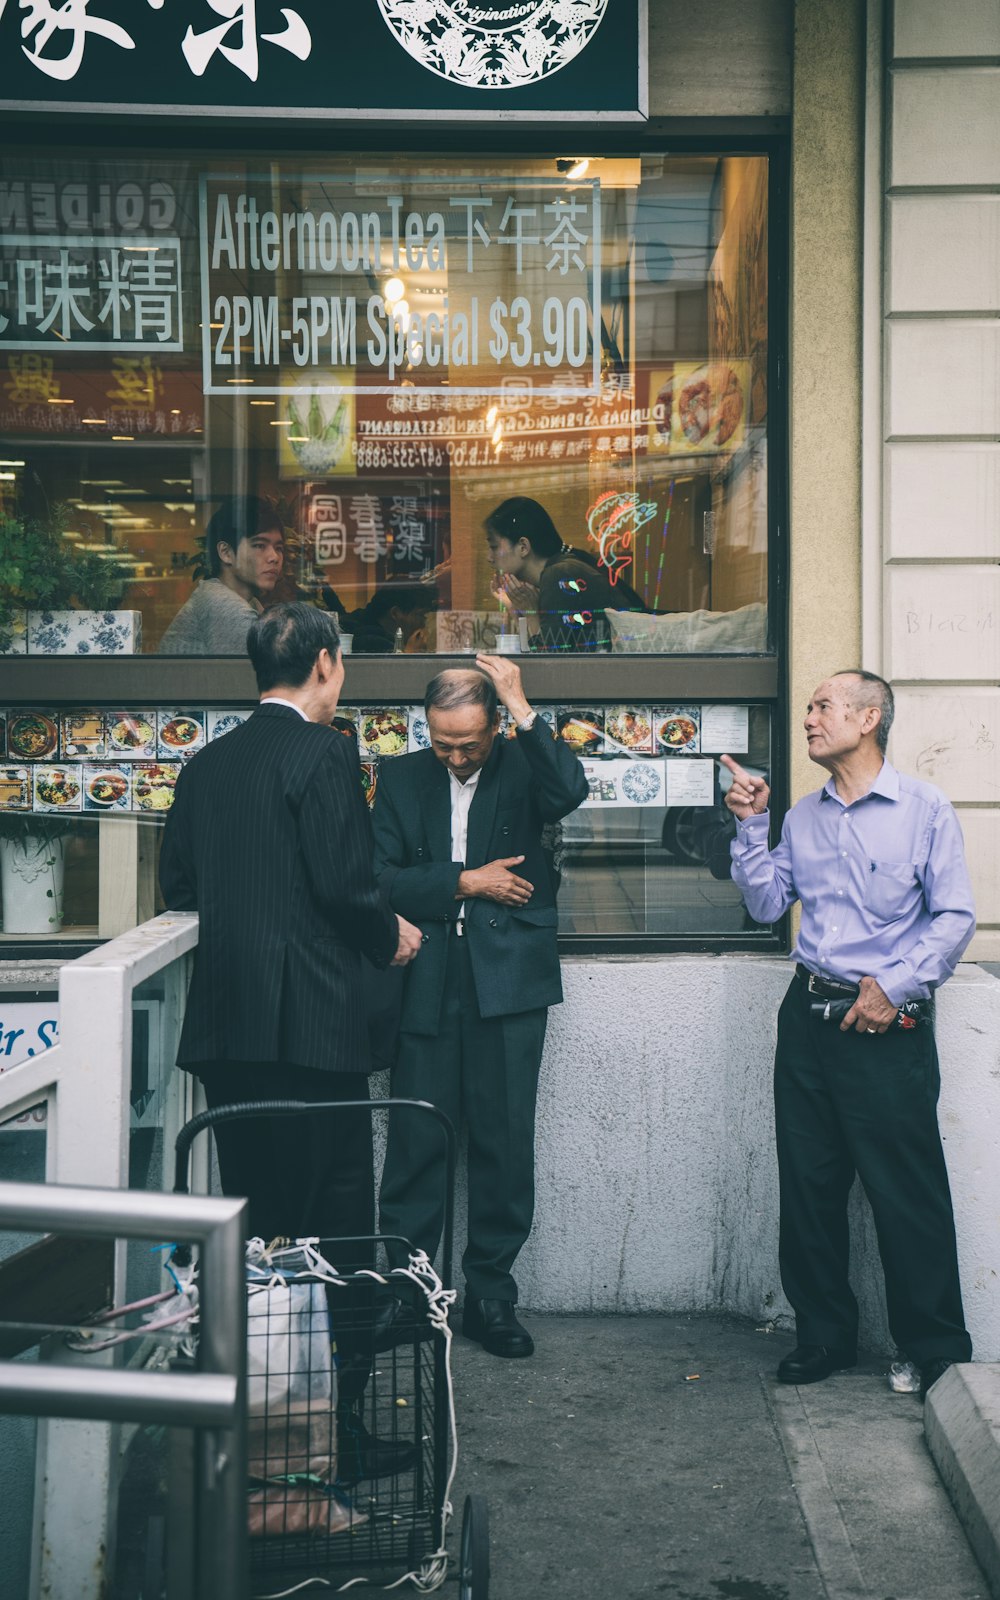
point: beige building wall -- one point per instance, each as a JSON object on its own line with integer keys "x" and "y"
{"x": 824, "y": 623}
{"x": 938, "y": 544}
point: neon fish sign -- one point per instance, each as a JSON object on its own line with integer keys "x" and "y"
{"x": 612, "y": 523}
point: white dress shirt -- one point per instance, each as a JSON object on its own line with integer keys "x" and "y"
{"x": 276, "y": 700}
{"x": 462, "y": 795}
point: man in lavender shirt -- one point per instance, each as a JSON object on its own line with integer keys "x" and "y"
{"x": 876, "y": 861}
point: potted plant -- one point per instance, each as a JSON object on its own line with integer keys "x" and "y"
{"x": 32, "y": 870}
{"x": 57, "y": 598}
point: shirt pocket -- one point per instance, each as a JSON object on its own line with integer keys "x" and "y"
{"x": 889, "y": 888}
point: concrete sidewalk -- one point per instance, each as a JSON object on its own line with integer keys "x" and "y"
{"x": 656, "y": 1456}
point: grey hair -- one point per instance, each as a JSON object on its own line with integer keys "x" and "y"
{"x": 873, "y": 691}
{"x": 461, "y": 686}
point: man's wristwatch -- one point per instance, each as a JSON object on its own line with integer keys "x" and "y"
{"x": 526, "y": 722}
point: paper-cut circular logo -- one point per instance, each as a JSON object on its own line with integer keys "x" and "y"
{"x": 493, "y": 44}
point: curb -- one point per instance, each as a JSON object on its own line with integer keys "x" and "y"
{"x": 962, "y": 1428}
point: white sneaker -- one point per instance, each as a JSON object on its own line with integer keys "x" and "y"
{"x": 904, "y": 1378}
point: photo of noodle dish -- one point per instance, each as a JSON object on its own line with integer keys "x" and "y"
{"x": 180, "y": 732}
{"x": 33, "y": 735}
{"x": 384, "y": 733}
{"x": 153, "y": 786}
{"x": 134, "y": 733}
{"x": 57, "y": 788}
{"x": 631, "y": 727}
{"x": 678, "y": 730}
{"x": 106, "y": 788}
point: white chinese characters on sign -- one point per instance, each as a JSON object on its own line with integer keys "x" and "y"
{"x": 61, "y": 32}
{"x": 50, "y": 23}
{"x": 92, "y": 293}
{"x": 241, "y": 25}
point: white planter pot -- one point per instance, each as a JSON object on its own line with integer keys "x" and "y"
{"x": 32, "y": 872}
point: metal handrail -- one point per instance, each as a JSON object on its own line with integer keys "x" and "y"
{"x": 212, "y": 1400}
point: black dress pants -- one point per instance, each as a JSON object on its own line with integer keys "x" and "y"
{"x": 485, "y": 1070}
{"x": 849, "y": 1103}
{"x": 304, "y": 1175}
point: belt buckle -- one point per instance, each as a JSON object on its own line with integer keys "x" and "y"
{"x": 811, "y": 985}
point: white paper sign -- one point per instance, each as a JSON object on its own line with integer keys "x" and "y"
{"x": 625, "y": 783}
{"x": 690, "y": 783}
{"x": 725, "y": 728}
{"x": 27, "y": 1028}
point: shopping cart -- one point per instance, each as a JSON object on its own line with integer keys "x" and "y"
{"x": 351, "y": 1460}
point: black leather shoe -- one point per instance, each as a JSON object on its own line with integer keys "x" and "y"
{"x": 496, "y": 1327}
{"x": 811, "y": 1363}
{"x": 395, "y": 1322}
{"x": 931, "y": 1371}
{"x": 360, "y": 1455}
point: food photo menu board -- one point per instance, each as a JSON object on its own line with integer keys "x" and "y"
{"x": 121, "y": 761}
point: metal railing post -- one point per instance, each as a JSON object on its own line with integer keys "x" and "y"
{"x": 212, "y": 1400}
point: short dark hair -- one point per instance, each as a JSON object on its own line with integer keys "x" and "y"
{"x": 407, "y": 596}
{"x": 461, "y": 686}
{"x": 284, "y": 642}
{"x": 873, "y": 691}
{"x": 239, "y": 517}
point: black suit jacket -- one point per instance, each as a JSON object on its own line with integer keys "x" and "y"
{"x": 269, "y": 840}
{"x": 527, "y": 782}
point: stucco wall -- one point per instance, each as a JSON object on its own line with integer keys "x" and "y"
{"x": 656, "y": 1177}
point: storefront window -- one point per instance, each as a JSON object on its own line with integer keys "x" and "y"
{"x": 465, "y": 402}
{"x": 457, "y": 397}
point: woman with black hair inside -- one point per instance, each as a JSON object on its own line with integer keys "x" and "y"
{"x": 564, "y": 592}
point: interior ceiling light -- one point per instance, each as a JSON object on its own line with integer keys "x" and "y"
{"x": 123, "y": 438}
{"x": 281, "y": 422}
{"x": 573, "y": 166}
{"x": 298, "y": 438}
{"x": 11, "y": 463}
{"x": 93, "y": 422}
{"x": 491, "y": 416}
{"x": 53, "y": 401}
{"x": 393, "y": 289}
{"x": 8, "y": 477}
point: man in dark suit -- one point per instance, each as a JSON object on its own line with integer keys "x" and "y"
{"x": 269, "y": 840}
{"x": 458, "y": 845}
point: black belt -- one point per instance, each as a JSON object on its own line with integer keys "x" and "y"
{"x": 825, "y": 988}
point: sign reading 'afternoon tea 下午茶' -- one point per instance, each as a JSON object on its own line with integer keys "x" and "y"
{"x": 535, "y": 59}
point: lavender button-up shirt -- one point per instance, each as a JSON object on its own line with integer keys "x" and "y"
{"x": 883, "y": 884}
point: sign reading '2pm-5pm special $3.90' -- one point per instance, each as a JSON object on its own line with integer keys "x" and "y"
{"x": 508, "y": 273}
{"x": 537, "y": 59}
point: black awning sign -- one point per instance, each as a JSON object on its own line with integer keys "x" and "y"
{"x": 535, "y": 59}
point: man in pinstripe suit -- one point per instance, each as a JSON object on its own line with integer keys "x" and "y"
{"x": 269, "y": 841}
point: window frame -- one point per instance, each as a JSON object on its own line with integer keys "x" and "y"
{"x": 759, "y": 678}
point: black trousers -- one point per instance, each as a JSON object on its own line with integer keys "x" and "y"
{"x": 849, "y": 1103}
{"x": 485, "y": 1069}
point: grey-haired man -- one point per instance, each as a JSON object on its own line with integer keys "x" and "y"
{"x": 458, "y": 845}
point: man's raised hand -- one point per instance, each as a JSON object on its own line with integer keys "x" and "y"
{"x": 746, "y": 796}
{"x": 496, "y": 882}
{"x": 506, "y": 675}
{"x": 410, "y": 940}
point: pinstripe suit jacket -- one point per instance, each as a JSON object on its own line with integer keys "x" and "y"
{"x": 269, "y": 840}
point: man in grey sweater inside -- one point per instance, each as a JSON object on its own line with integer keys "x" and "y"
{"x": 245, "y": 551}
